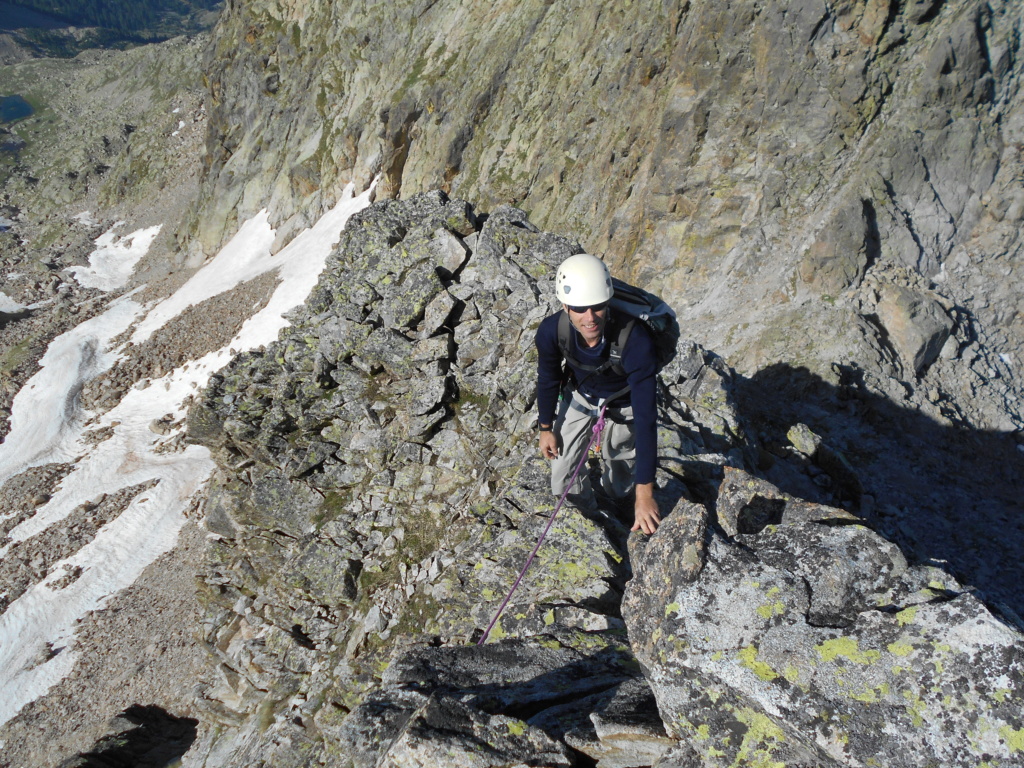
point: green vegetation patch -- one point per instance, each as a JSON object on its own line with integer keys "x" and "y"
{"x": 762, "y": 738}
{"x": 419, "y": 616}
{"x": 907, "y": 616}
{"x": 1013, "y": 737}
{"x": 15, "y": 356}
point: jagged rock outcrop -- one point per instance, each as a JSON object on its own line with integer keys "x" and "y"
{"x": 917, "y": 324}
{"x": 807, "y": 639}
{"x": 379, "y": 489}
{"x": 378, "y": 493}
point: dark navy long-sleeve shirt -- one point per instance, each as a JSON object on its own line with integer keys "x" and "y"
{"x": 639, "y": 362}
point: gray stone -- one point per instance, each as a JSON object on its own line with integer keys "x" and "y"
{"x": 849, "y": 571}
{"x": 627, "y": 727}
{"x": 743, "y": 648}
{"x": 917, "y": 325}
{"x": 451, "y": 252}
{"x": 837, "y": 258}
{"x": 437, "y": 312}
{"x": 446, "y": 731}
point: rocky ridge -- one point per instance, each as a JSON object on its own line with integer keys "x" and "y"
{"x": 379, "y": 490}
{"x": 379, "y": 485}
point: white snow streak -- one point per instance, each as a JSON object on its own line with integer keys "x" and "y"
{"x": 85, "y": 218}
{"x": 48, "y": 424}
{"x": 46, "y": 419}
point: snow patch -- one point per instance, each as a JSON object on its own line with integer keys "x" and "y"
{"x": 46, "y": 416}
{"x": 86, "y": 219}
{"x": 114, "y": 259}
{"x": 248, "y": 256}
{"x": 9, "y": 305}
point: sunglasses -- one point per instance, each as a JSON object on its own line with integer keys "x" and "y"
{"x": 596, "y": 307}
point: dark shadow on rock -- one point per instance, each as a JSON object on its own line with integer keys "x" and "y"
{"x": 596, "y": 673}
{"x": 140, "y": 737}
{"x": 6, "y": 318}
{"x": 520, "y": 677}
{"x": 948, "y": 495}
{"x": 554, "y": 687}
{"x": 592, "y": 701}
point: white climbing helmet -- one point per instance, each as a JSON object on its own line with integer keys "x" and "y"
{"x": 583, "y": 280}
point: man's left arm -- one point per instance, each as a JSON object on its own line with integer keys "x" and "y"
{"x": 646, "y": 515}
{"x": 640, "y": 363}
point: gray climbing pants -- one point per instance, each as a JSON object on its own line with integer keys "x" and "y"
{"x": 574, "y": 427}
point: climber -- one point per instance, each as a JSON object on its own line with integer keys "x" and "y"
{"x": 629, "y": 386}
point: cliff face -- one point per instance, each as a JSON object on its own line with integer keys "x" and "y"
{"x": 773, "y": 168}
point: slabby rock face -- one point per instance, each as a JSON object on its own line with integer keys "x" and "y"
{"x": 379, "y": 491}
{"x": 808, "y": 640}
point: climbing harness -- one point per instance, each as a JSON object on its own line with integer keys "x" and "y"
{"x": 598, "y": 428}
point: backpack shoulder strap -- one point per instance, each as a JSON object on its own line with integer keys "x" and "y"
{"x": 565, "y": 335}
{"x": 619, "y": 345}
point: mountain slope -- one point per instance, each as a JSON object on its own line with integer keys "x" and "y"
{"x": 827, "y": 192}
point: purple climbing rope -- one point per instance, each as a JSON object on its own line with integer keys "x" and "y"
{"x": 598, "y": 427}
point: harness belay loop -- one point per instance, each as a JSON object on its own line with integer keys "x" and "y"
{"x": 597, "y": 429}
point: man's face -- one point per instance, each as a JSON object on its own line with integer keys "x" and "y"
{"x": 589, "y": 321}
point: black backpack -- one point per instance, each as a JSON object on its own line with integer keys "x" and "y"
{"x": 636, "y": 305}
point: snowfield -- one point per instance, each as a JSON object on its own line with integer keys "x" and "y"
{"x": 37, "y": 632}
